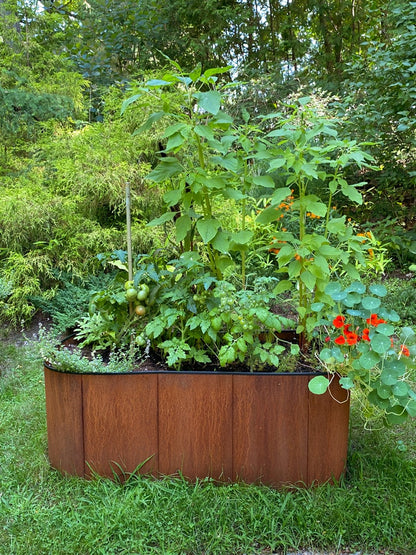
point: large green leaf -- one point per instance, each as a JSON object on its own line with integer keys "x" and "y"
{"x": 308, "y": 279}
{"x": 280, "y": 195}
{"x": 153, "y": 118}
{"x": 217, "y": 71}
{"x": 157, "y": 83}
{"x": 207, "y": 228}
{"x": 263, "y": 181}
{"x": 175, "y": 128}
{"x": 228, "y": 162}
{"x": 242, "y": 237}
{"x": 204, "y": 131}
{"x": 164, "y": 218}
{"x": 221, "y": 242}
{"x": 167, "y": 168}
{"x": 209, "y": 101}
{"x": 183, "y": 227}
{"x": 337, "y": 225}
{"x": 240, "y": 240}
{"x": 129, "y": 101}
{"x": 196, "y": 72}
{"x": 172, "y": 197}
{"x": 351, "y": 192}
{"x": 277, "y": 163}
{"x": 268, "y": 215}
{"x": 312, "y": 204}
{"x": 174, "y": 142}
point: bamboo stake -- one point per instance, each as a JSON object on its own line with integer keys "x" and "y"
{"x": 128, "y": 222}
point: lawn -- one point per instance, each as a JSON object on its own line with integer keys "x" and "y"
{"x": 372, "y": 510}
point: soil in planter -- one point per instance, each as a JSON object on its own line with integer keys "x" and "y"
{"x": 155, "y": 362}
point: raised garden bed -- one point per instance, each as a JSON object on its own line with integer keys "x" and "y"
{"x": 253, "y": 427}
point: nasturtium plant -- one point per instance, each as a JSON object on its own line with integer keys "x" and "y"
{"x": 367, "y": 350}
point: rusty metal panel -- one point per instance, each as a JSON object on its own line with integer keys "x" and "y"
{"x": 195, "y": 425}
{"x": 270, "y": 416}
{"x": 120, "y": 423}
{"x": 64, "y": 421}
{"x": 328, "y": 434}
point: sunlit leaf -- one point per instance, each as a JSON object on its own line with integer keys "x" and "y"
{"x": 318, "y": 385}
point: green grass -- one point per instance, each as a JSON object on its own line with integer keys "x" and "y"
{"x": 42, "y": 512}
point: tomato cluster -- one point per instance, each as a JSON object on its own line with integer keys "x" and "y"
{"x": 137, "y": 295}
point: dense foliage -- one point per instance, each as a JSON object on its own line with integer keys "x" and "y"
{"x": 65, "y": 152}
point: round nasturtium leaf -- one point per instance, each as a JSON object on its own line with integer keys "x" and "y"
{"x": 385, "y": 329}
{"x": 333, "y": 287}
{"x": 369, "y": 360}
{"x": 318, "y": 385}
{"x": 354, "y": 312}
{"x": 384, "y": 391}
{"x": 325, "y": 354}
{"x": 406, "y": 334}
{"x": 397, "y": 415}
{"x": 376, "y": 400}
{"x": 400, "y": 389}
{"x": 316, "y": 307}
{"x": 371, "y": 303}
{"x": 352, "y": 299}
{"x": 380, "y": 343}
{"x": 411, "y": 408}
{"x": 378, "y": 289}
{"x": 356, "y": 287}
{"x": 396, "y": 366}
{"x": 339, "y": 296}
{"x": 389, "y": 377}
{"x": 346, "y": 383}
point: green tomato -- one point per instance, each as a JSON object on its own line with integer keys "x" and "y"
{"x": 140, "y": 340}
{"x": 131, "y": 294}
{"x": 128, "y": 285}
{"x": 145, "y": 287}
{"x": 142, "y": 294}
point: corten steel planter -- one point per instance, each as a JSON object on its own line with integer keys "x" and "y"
{"x": 253, "y": 427}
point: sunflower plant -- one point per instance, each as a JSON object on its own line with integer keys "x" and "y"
{"x": 312, "y": 242}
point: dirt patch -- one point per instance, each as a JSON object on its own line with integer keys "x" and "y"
{"x": 10, "y": 335}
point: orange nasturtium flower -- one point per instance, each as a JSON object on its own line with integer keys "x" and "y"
{"x": 366, "y": 334}
{"x": 404, "y": 350}
{"x": 352, "y": 338}
{"x": 374, "y": 320}
{"x": 340, "y": 340}
{"x": 339, "y": 321}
